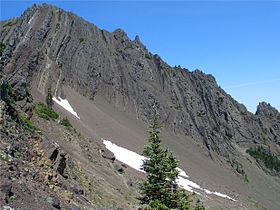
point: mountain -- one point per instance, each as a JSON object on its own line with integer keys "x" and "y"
{"x": 114, "y": 84}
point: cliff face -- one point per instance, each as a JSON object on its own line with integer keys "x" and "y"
{"x": 47, "y": 46}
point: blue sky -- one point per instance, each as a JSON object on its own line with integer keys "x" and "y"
{"x": 237, "y": 42}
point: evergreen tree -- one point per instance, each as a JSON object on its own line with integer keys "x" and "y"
{"x": 6, "y": 92}
{"x": 160, "y": 189}
{"x": 49, "y": 97}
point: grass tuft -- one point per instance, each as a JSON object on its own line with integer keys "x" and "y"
{"x": 45, "y": 112}
{"x": 28, "y": 124}
{"x": 65, "y": 122}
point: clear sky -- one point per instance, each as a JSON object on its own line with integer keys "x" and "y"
{"x": 237, "y": 42}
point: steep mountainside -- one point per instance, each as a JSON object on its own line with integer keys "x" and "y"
{"x": 46, "y": 164}
{"x": 47, "y": 46}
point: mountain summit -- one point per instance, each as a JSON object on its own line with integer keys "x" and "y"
{"x": 113, "y": 83}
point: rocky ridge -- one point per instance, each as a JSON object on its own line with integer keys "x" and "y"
{"x": 48, "y": 46}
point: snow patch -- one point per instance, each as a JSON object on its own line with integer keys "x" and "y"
{"x": 126, "y": 156}
{"x": 223, "y": 195}
{"x": 66, "y": 105}
{"x": 182, "y": 173}
{"x": 135, "y": 161}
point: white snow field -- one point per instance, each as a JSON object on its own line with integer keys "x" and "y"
{"x": 66, "y": 105}
{"x": 135, "y": 160}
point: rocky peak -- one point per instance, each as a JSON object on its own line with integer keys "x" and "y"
{"x": 265, "y": 109}
{"x": 200, "y": 74}
{"x": 137, "y": 40}
{"x": 120, "y": 34}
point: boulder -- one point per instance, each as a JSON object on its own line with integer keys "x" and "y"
{"x": 119, "y": 167}
{"x": 108, "y": 155}
{"x": 54, "y": 201}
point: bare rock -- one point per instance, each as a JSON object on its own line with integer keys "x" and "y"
{"x": 108, "y": 155}
{"x": 119, "y": 167}
{"x": 6, "y": 190}
{"x": 54, "y": 201}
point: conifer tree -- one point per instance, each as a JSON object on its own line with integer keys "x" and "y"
{"x": 160, "y": 189}
{"x": 49, "y": 97}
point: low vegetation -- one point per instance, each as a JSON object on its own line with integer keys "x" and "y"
{"x": 270, "y": 160}
{"x": 127, "y": 47}
{"x": 45, "y": 112}
{"x": 2, "y": 47}
{"x": 28, "y": 124}
{"x": 239, "y": 169}
{"x": 10, "y": 23}
{"x": 65, "y": 122}
{"x": 49, "y": 96}
{"x": 7, "y": 93}
{"x": 82, "y": 39}
{"x": 148, "y": 56}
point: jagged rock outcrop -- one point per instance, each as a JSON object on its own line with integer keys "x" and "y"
{"x": 266, "y": 110}
{"x": 269, "y": 118}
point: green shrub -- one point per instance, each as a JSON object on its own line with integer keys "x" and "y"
{"x": 49, "y": 100}
{"x": 270, "y": 160}
{"x": 7, "y": 93}
{"x": 65, "y": 122}
{"x": 239, "y": 169}
{"x": 264, "y": 137}
{"x": 82, "y": 40}
{"x": 127, "y": 47}
{"x": 2, "y": 47}
{"x": 156, "y": 204}
{"x": 28, "y": 124}
{"x": 148, "y": 56}
{"x": 178, "y": 107}
{"x": 45, "y": 112}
